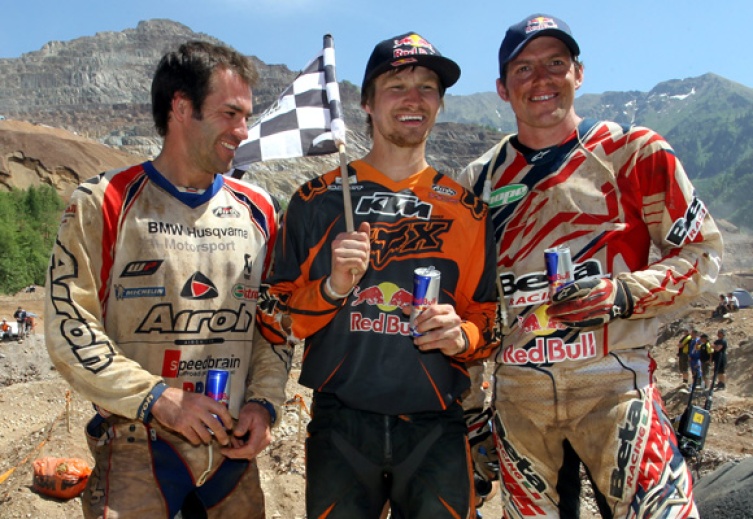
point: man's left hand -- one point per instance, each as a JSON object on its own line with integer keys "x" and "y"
{"x": 251, "y": 434}
{"x": 591, "y": 302}
{"x": 440, "y": 329}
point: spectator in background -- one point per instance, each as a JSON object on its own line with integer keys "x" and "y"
{"x": 706, "y": 351}
{"x": 733, "y": 304}
{"x": 20, "y": 316}
{"x": 720, "y": 360}
{"x": 4, "y": 329}
{"x": 683, "y": 348}
{"x": 722, "y": 308}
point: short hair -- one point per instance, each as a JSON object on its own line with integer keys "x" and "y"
{"x": 369, "y": 91}
{"x": 189, "y": 70}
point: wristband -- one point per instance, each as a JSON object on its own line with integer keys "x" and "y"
{"x": 466, "y": 344}
{"x": 332, "y": 293}
{"x": 266, "y": 404}
{"x": 145, "y": 409}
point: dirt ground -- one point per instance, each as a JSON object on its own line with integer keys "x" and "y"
{"x": 37, "y": 421}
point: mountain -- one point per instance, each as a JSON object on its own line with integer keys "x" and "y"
{"x": 98, "y": 86}
{"x": 708, "y": 120}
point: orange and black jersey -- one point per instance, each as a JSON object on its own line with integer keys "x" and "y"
{"x": 360, "y": 348}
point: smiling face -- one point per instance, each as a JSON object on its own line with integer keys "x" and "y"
{"x": 540, "y": 86}
{"x": 404, "y": 106}
{"x": 216, "y": 130}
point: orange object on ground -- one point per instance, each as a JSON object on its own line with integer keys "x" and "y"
{"x": 62, "y": 478}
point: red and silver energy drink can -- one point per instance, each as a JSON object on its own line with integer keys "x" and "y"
{"x": 559, "y": 268}
{"x": 218, "y": 386}
{"x": 425, "y": 292}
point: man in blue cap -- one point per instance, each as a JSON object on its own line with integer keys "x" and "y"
{"x": 574, "y": 376}
{"x": 386, "y": 424}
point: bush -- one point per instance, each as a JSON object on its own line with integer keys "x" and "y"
{"x": 29, "y": 222}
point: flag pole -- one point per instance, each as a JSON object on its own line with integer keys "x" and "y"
{"x": 337, "y": 125}
{"x": 347, "y": 204}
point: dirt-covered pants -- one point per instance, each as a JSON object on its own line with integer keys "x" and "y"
{"x": 143, "y": 471}
{"x": 604, "y": 413}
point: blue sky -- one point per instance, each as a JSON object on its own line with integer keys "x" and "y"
{"x": 627, "y": 45}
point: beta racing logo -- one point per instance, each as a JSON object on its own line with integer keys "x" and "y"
{"x": 387, "y": 297}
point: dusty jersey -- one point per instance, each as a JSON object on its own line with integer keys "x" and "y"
{"x": 608, "y": 193}
{"x": 149, "y": 285}
{"x": 361, "y": 348}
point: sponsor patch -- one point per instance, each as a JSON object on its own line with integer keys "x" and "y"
{"x": 141, "y": 268}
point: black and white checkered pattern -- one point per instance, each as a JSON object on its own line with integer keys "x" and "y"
{"x": 305, "y": 120}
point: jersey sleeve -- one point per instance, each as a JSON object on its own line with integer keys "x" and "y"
{"x": 76, "y": 285}
{"x": 688, "y": 241}
{"x": 269, "y": 371}
{"x": 292, "y": 305}
{"x": 481, "y": 310}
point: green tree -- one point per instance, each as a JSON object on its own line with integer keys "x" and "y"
{"x": 28, "y": 224}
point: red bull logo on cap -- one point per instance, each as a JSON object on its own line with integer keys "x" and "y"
{"x": 539, "y": 24}
{"x": 412, "y": 45}
{"x": 414, "y": 40}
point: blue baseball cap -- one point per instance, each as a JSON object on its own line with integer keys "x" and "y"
{"x": 410, "y": 49}
{"x": 520, "y": 34}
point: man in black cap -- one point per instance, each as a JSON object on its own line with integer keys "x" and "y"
{"x": 574, "y": 377}
{"x": 387, "y": 425}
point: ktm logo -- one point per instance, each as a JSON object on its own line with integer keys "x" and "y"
{"x": 394, "y": 204}
{"x": 199, "y": 287}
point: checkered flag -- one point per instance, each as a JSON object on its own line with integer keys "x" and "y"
{"x": 305, "y": 120}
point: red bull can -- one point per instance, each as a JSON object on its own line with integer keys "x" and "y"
{"x": 218, "y": 386}
{"x": 559, "y": 268}
{"x": 425, "y": 292}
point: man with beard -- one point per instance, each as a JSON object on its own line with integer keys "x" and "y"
{"x": 387, "y": 425}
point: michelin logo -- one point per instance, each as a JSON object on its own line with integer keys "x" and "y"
{"x": 131, "y": 293}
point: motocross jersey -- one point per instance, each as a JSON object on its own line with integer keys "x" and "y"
{"x": 360, "y": 348}
{"x": 608, "y": 193}
{"x": 150, "y": 287}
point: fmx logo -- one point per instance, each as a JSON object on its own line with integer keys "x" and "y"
{"x": 199, "y": 287}
{"x": 394, "y": 204}
{"x": 141, "y": 268}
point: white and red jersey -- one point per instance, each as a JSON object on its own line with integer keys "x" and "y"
{"x": 150, "y": 286}
{"x": 609, "y": 193}
{"x": 620, "y": 200}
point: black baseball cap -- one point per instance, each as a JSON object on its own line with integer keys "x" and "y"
{"x": 520, "y": 34}
{"x": 410, "y": 49}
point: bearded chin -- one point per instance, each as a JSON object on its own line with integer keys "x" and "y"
{"x": 407, "y": 141}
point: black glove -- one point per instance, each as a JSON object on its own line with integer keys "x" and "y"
{"x": 591, "y": 302}
{"x": 481, "y": 441}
